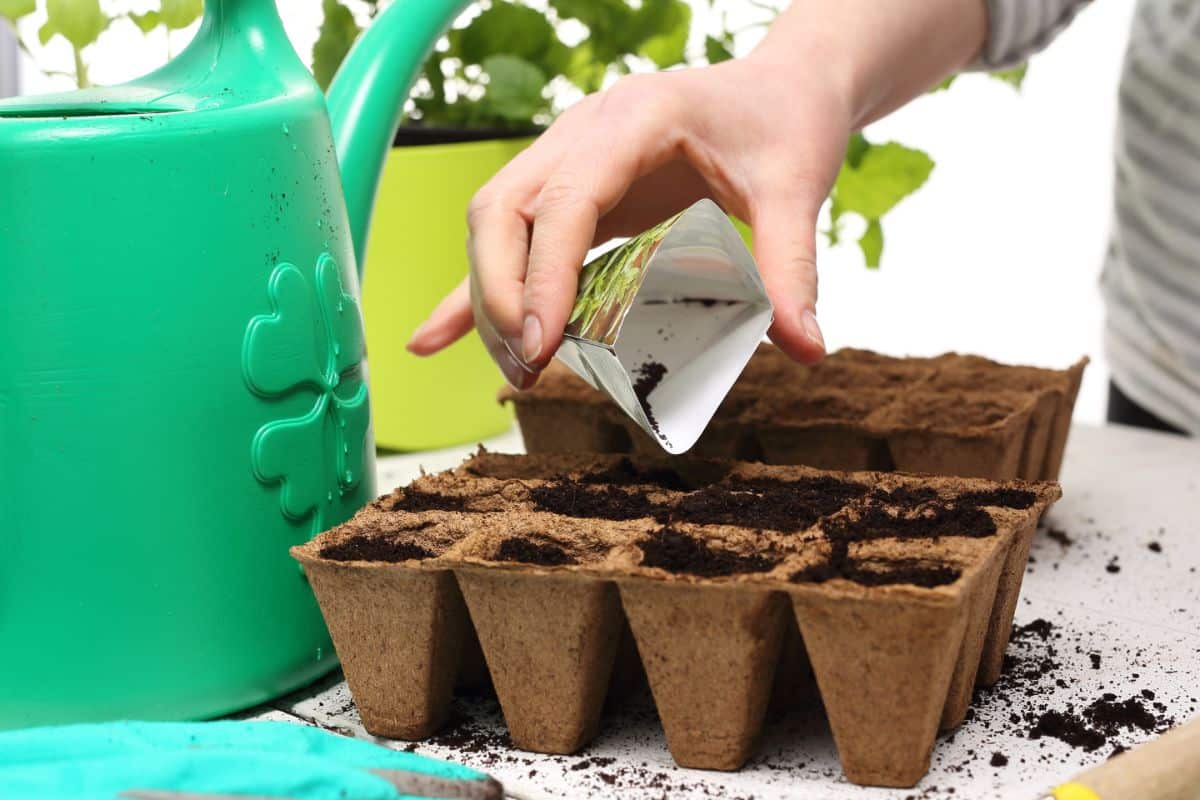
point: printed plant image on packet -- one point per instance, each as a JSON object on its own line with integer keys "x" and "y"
{"x": 607, "y": 285}
{"x": 665, "y": 322}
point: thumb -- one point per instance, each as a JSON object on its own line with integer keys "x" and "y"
{"x": 785, "y": 248}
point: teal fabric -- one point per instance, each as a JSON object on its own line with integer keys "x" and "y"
{"x": 262, "y": 759}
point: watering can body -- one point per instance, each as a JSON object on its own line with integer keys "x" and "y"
{"x": 183, "y": 391}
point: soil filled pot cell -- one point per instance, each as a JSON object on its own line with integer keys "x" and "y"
{"x": 402, "y": 692}
{"x": 866, "y": 649}
{"x": 550, "y": 643}
{"x": 903, "y": 591}
{"x": 711, "y": 691}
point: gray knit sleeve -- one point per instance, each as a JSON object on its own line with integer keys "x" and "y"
{"x": 1019, "y": 28}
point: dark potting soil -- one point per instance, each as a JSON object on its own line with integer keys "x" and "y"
{"x": 542, "y": 554}
{"x": 1040, "y": 628}
{"x": 906, "y": 496}
{"x": 625, "y": 473}
{"x": 878, "y": 573}
{"x": 1102, "y": 719}
{"x": 411, "y": 499}
{"x": 1032, "y": 670}
{"x": 1060, "y": 536}
{"x": 935, "y": 520}
{"x": 1110, "y": 715}
{"x": 600, "y": 502}
{"x": 1069, "y": 728}
{"x": 999, "y": 760}
{"x": 1007, "y": 498}
{"x": 649, "y": 376}
{"x": 374, "y": 548}
{"x": 677, "y": 552}
{"x": 707, "y": 302}
{"x": 767, "y": 504}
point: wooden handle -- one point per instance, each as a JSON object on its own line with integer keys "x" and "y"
{"x": 1167, "y": 768}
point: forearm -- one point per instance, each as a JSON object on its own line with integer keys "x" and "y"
{"x": 880, "y": 55}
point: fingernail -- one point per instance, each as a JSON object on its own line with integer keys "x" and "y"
{"x": 808, "y": 320}
{"x": 531, "y": 339}
{"x": 518, "y": 373}
{"x": 418, "y": 333}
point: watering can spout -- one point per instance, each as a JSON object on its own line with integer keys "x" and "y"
{"x": 366, "y": 100}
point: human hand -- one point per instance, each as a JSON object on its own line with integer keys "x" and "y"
{"x": 764, "y": 136}
{"x": 622, "y": 160}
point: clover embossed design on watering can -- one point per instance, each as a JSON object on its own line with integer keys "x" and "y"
{"x": 182, "y": 388}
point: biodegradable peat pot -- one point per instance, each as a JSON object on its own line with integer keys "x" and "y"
{"x": 417, "y": 255}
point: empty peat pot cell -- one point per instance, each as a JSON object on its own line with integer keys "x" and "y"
{"x": 990, "y": 376}
{"x": 973, "y": 434}
{"x": 833, "y": 373}
{"x": 824, "y": 428}
{"x": 953, "y": 415}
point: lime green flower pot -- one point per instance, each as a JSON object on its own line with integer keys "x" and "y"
{"x": 416, "y": 254}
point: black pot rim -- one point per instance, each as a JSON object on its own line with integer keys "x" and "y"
{"x": 420, "y": 135}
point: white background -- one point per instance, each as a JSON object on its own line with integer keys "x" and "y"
{"x": 999, "y": 254}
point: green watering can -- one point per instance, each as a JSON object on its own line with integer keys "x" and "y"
{"x": 182, "y": 387}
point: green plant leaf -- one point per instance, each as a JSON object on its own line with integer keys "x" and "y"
{"x": 514, "y": 89}
{"x": 584, "y": 69}
{"x": 855, "y": 148}
{"x": 1013, "y": 77}
{"x": 885, "y": 175}
{"x": 178, "y": 14}
{"x": 80, "y": 22}
{"x": 506, "y": 28}
{"x": 13, "y": 10}
{"x": 716, "y": 50}
{"x": 556, "y": 59}
{"x": 871, "y": 243}
{"x": 146, "y": 22}
{"x": 610, "y": 24}
{"x": 603, "y": 15}
{"x": 946, "y": 83}
{"x": 670, "y": 21}
{"x": 337, "y": 35}
{"x": 873, "y": 179}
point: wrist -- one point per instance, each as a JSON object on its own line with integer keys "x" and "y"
{"x": 875, "y": 56}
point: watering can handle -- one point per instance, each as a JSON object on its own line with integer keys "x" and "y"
{"x": 366, "y": 100}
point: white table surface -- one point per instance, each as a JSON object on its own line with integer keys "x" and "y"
{"x": 1123, "y": 490}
